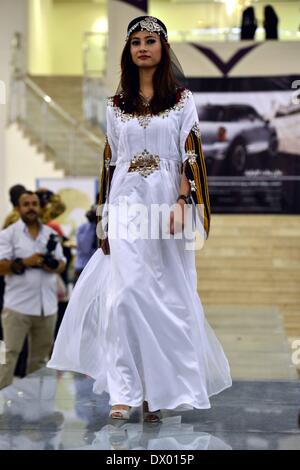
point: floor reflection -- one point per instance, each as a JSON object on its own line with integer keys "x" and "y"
{"x": 170, "y": 434}
{"x": 29, "y": 418}
{"x": 50, "y": 410}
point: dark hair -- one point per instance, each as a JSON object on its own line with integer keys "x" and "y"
{"x": 91, "y": 214}
{"x": 27, "y": 193}
{"x": 164, "y": 82}
{"x": 44, "y": 196}
{"x": 15, "y": 192}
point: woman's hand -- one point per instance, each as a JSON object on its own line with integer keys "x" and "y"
{"x": 177, "y": 217}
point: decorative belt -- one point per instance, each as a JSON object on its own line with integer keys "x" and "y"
{"x": 144, "y": 163}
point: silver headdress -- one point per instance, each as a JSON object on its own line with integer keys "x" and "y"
{"x": 148, "y": 23}
{"x": 154, "y": 25}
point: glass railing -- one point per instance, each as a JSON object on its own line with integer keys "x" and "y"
{"x": 225, "y": 34}
{"x": 73, "y": 148}
{"x": 95, "y": 46}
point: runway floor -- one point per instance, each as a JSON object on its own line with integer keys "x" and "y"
{"x": 49, "y": 410}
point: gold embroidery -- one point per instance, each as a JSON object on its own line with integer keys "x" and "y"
{"x": 104, "y": 175}
{"x": 196, "y": 172}
{"x": 193, "y": 185}
{"x": 144, "y": 119}
{"x": 196, "y": 129}
{"x": 144, "y": 163}
{"x": 192, "y": 156}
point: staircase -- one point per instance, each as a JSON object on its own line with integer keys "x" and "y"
{"x": 56, "y": 129}
{"x": 249, "y": 284}
{"x": 66, "y": 91}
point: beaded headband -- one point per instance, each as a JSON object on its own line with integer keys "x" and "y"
{"x": 149, "y": 23}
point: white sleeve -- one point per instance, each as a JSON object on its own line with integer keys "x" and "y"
{"x": 111, "y": 133}
{"x": 188, "y": 121}
{"x": 109, "y": 157}
{"x": 59, "y": 255}
{"x": 110, "y": 154}
{"x": 6, "y": 247}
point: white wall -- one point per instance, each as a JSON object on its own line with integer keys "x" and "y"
{"x": 40, "y": 19}
{"x": 23, "y": 163}
{"x": 13, "y": 18}
{"x": 55, "y": 36}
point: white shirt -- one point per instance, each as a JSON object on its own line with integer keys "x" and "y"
{"x": 35, "y": 291}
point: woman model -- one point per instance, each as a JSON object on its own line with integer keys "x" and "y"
{"x": 135, "y": 322}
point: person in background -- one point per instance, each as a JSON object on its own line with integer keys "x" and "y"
{"x": 270, "y": 23}
{"x": 30, "y": 258}
{"x": 53, "y": 207}
{"x": 14, "y": 194}
{"x": 87, "y": 243}
{"x": 249, "y": 24}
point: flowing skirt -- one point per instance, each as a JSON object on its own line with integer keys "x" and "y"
{"x": 135, "y": 322}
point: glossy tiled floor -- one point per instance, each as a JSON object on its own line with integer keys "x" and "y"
{"x": 60, "y": 411}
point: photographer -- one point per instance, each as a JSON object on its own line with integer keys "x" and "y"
{"x": 30, "y": 258}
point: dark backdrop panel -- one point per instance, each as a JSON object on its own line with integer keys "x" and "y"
{"x": 251, "y": 141}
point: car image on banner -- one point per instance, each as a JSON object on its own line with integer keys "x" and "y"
{"x": 231, "y": 133}
{"x": 251, "y": 143}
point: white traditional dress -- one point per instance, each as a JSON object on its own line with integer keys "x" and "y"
{"x": 135, "y": 322}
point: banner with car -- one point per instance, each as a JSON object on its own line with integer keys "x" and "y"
{"x": 248, "y": 103}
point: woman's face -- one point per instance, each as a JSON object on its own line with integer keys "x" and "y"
{"x": 145, "y": 49}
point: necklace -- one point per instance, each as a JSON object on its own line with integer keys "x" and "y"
{"x": 146, "y": 100}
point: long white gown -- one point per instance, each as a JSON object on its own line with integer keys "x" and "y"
{"x": 135, "y": 322}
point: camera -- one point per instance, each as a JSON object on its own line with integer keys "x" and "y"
{"x": 49, "y": 259}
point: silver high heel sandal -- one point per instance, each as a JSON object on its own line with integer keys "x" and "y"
{"x": 120, "y": 413}
{"x": 151, "y": 416}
